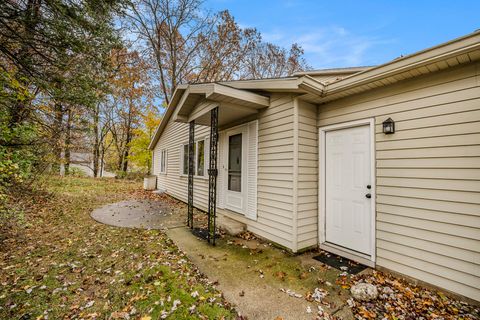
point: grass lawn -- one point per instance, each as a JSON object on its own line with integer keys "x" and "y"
{"x": 60, "y": 264}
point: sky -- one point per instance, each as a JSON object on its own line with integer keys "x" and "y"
{"x": 355, "y": 33}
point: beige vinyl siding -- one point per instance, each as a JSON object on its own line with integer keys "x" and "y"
{"x": 175, "y": 183}
{"x": 428, "y": 172}
{"x": 307, "y": 177}
{"x": 275, "y": 172}
{"x": 274, "y": 177}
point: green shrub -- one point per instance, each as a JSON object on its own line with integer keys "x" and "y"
{"x": 18, "y": 151}
{"x": 130, "y": 175}
{"x": 76, "y": 172}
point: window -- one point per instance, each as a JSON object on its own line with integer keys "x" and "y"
{"x": 163, "y": 161}
{"x": 235, "y": 163}
{"x": 201, "y": 158}
{"x": 198, "y": 158}
{"x": 185, "y": 159}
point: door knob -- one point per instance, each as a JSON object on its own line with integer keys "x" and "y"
{"x": 368, "y": 195}
{"x": 369, "y": 186}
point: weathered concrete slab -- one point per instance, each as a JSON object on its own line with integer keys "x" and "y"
{"x": 144, "y": 214}
{"x": 231, "y": 226}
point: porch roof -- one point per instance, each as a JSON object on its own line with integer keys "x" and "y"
{"x": 195, "y": 101}
{"x": 198, "y": 100}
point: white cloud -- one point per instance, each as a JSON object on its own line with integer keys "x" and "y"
{"x": 326, "y": 47}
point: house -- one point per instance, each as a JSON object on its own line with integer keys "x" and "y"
{"x": 83, "y": 161}
{"x": 310, "y": 160}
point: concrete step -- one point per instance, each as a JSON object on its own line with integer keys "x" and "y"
{"x": 231, "y": 226}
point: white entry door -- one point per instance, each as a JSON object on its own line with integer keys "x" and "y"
{"x": 236, "y": 167}
{"x": 348, "y": 199}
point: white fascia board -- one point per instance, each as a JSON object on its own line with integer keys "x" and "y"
{"x": 444, "y": 51}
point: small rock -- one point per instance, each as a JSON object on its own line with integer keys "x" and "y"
{"x": 364, "y": 292}
{"x": 351, "y": 303}
{"x": 387, "y": 290}
{"x": 319, "y": 294}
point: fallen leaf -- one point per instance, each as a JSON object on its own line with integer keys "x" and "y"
{"x": 281, "y": 275}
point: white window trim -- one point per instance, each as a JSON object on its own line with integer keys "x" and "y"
{"x": 166, "y": 160}
{"x": 195, "y": 169}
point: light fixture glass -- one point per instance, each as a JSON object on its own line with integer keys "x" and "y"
{"x": 389, "y": 126}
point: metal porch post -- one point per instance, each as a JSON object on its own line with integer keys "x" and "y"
{"x": 212, "y": 176}
{"x": 191, "y": 141}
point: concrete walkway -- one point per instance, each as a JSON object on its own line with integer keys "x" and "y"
{"x": 256, "y": 293}
{"x": 147, "y": 214}
{"x": 250, "y": 273}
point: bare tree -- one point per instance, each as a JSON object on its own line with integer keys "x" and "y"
{"x": 172, "y": 31}
{"x": 222, "y": 51}
{"x": 267, "y": 60}
{"x": 190, "y": 45}
{"x": 102, "y": 125}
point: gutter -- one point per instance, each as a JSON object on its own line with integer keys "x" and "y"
{"x": 465, "y": 44}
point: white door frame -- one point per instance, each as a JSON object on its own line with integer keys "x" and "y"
{"x": 353, "y": 255}
{"x": 241, "y": 129}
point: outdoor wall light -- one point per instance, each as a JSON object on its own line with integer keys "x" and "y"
{"x": 388, "y": 126}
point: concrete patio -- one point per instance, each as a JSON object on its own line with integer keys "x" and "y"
{"x": 146, "y": 214}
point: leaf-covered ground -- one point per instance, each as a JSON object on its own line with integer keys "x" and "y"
{"x": 60, "y": 264}
{"x": 399, "y": 299}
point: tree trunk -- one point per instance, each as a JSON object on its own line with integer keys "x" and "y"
{"x": 128, "y": 129}
{"x": 120, "y": 160}
{"x": 127, "y": 150}
{"x": 57, "y": 135}
{"x": 125, "y": 161}
{"x": 68, "y": 141}
{"x": 102, "y": 159}
{"x": 96, "y": 143}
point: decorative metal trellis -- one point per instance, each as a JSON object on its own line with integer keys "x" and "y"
{"x": 191, "y": 138}
{"x": 212, "y": 176}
